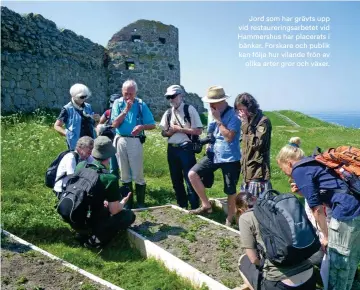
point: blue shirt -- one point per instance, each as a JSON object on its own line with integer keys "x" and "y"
{"x": 133, "y": 117}
{"x": 224, "y": 151}
{"x": 311, "y": 177}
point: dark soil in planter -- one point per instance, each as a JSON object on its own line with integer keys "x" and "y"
{"x": 210, "y": 248}
{"x": 23, "y": 268}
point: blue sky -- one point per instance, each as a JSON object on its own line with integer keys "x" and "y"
{"x": 208, "y": 46}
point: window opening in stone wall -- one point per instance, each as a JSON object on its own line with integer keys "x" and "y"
{"x": 135, "y": 38}
{"x": 130, "y": 65}
{"x": 171, "y": 66}
{"x": 162, "y": 40}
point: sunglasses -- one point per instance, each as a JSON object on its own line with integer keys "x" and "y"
{"x": 171, "y": 97}
{"x": 83, "y": 97}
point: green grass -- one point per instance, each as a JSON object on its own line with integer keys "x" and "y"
{"x": 29, "y": 144}
{"x": 305, "y": 120}
{"x": 276, "y": 120}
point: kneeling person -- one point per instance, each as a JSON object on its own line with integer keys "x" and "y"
{"x": 262, "y": 274}
{"x": 68, "y": 163}
{"x": 108, "y": 215}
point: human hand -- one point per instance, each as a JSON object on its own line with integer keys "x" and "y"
{"x": 137, "y": 129}
{"x": 106, "y": 203}
{"x": 175, "y": 128}
{"x": 294, "y": 187}
{"x": 96, "y": 117}
{"x": 324, "y": 244}
{"x": 243, "y": 117}
{"x": 126, "y": 198}
{"x": 129, "y": 104}
{"x": 216, "y": 114}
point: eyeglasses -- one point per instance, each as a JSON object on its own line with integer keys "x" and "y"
{"x": 171, "y": 97}
{"x": 83, "y": 97}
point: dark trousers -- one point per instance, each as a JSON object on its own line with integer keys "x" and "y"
{"x": 180, "y": 162}
{"x": 105, "y": 227}
{"x": 258, "y": 282}
{"x": 316, "y": 258}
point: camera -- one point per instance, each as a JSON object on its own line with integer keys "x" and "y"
{"x": 142, "y": 139}
{"x": 197, "y": 145}
{"x": 210, "y": 139}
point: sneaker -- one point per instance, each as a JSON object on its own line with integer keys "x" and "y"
{"x": 93, "y": 242}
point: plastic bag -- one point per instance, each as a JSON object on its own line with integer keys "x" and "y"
{"x": 324, "y": 270}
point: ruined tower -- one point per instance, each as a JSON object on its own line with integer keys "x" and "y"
{"x": 147, "y": 52}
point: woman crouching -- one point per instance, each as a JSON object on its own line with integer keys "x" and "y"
{"x": 322, "y": 186}
{"x": 257, "y": 271}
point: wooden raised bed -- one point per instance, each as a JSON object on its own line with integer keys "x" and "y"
{"x": 197, "y": 248}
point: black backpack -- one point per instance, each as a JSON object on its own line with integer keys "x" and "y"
{"x": 108, "y": 132}
{"x": 75, "y": 203}
{"x": 287, "y": 233}
{"x": 50, "y": 174}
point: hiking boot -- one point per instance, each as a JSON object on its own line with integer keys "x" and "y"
{"x": 140, "y": 195}
{"x": 93, "y": 243}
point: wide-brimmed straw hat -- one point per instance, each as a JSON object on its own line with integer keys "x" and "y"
{"x": 215, "y": 94}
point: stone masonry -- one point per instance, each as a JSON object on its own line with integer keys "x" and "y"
{"x": 39, "y": 63}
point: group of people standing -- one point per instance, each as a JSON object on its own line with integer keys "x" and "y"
{"x": 129, "y": 117}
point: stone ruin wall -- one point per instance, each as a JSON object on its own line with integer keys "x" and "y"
{"x": 39, "y": 63}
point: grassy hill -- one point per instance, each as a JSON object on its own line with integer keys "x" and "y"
{"x": 29, "y": 144}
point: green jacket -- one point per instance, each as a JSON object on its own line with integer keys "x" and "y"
{"x": 256, "y": 137}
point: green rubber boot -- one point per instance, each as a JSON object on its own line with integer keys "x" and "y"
{"x": 130, "y": 203}
{"x": 140, "y": 195}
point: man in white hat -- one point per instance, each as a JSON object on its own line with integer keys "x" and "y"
{"x": 224, "y": 153}
{"x": 181, "y": 124}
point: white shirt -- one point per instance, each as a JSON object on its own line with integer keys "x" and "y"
{"x": 178, "y": 137}
{"x": 67, "y": 165}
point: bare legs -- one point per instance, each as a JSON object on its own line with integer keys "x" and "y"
{"x": 200, "y": 189}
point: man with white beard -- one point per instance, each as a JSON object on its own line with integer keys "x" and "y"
{"x": 181, "y": 124}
